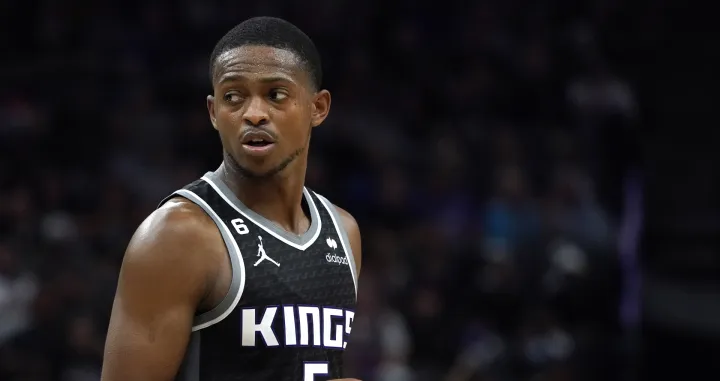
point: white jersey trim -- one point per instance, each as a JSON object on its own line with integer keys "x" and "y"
{"x": 269, "y": 230}
{"x": 234, "y": 250}
{"x": 344, "y": 240}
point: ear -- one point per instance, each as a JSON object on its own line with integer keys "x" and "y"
{"x": 211, "y": 110}
{"x": 320, "y": 107}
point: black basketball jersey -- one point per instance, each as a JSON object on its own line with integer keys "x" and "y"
{"x": 290, "y": 307}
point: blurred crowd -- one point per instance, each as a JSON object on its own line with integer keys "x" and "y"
{"x": 479, "y": 147}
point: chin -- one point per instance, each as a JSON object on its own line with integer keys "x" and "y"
{"x": 261, "y": 171}
{"x": 261, "y": 167}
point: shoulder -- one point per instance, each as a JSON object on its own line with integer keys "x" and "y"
{"x": 348, "y": 221}
{"x": 174, "y": 245}
{"x": 178, "y": 223}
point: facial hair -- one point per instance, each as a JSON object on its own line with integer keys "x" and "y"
{"x": 249, "y": 174}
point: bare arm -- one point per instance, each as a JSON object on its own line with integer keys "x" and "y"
{"x": 353, "y": 232}
{"x": 162, "y": 281}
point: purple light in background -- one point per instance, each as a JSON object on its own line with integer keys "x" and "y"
{"x": 627, "y": 248}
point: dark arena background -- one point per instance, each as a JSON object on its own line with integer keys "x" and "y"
{"x": 536, "y": 198}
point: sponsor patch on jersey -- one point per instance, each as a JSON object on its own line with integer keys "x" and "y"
{"x": 334, "y": 258}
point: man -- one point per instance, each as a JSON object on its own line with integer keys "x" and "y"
{"x": 262, "y": 271}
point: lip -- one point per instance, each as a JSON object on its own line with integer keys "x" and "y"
{"x": 258, "y": 150}
{"x": 257, "y": 134}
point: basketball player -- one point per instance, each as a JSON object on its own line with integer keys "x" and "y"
{"x": 244, "y": 274}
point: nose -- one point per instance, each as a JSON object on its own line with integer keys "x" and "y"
{"x": 256, "y": 113}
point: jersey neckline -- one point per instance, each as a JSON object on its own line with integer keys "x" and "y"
{"x": 301, "y": 242}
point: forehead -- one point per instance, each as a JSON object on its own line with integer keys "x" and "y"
{"x": 259, "y": 61}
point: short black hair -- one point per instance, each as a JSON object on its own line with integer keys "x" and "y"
{"x": 276, "y": 33}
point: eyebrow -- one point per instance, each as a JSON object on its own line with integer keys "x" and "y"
{"x": 240, "y": 77}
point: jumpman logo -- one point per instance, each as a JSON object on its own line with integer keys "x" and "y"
{"x": 261, "y": 253}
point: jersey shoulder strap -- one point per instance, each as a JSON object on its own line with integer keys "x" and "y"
{"x": 203, "y": 195}
{"x": 333, "y": 214}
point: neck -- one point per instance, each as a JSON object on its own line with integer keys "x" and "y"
{"x": 278, "y": 198}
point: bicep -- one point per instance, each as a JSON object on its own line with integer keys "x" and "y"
{"x": 151, "y": 322}
{"x": 145, "y": 343}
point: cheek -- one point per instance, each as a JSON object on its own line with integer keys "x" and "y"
{"x": 227, "y": 128}
{"x": 295, "y": 122}
{"x": 228, "y": 122}
{"x": 301, "y": 131}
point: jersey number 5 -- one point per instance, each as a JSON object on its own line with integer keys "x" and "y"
{"x": 240, "y": 226}
{"x": 313, "y": 369}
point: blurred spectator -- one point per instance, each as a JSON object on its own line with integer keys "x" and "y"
{"x": 18, "y": 288}
{"x": 383, "y": 346}
{"x": 510, "y": 216}
{"x": 573, "y": 211}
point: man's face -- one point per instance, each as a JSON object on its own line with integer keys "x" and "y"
{"x": 264, "y": 107}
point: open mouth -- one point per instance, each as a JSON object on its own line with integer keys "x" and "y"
{"x": 258, "y": 143}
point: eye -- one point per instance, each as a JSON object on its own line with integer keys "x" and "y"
{"x": 278, "y": 94}
{"x": 232, "y": 98}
